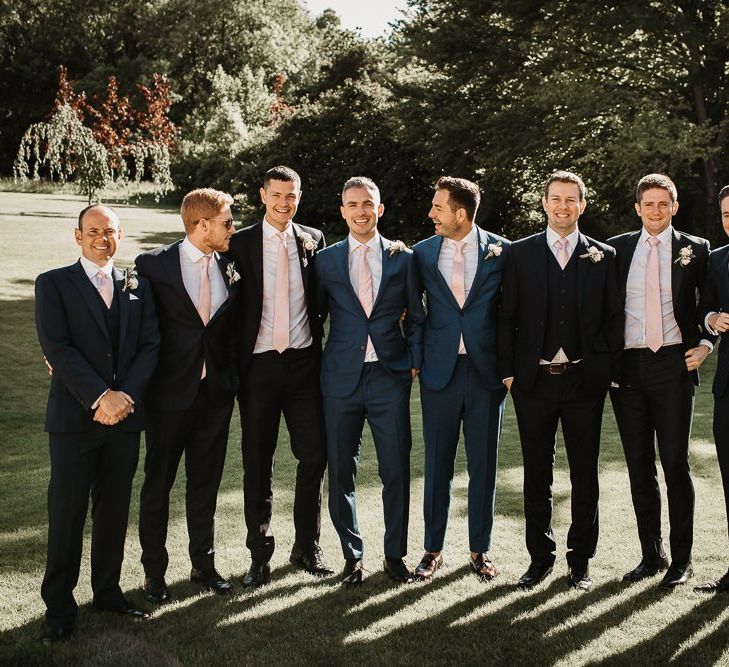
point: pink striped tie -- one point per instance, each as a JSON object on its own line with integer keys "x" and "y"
{"x": 204, "y": 298}
{"x": 653, "y": 311}
{"x": 458, "y": 276}
{"x": 364, "y": 280}
{"x": 281, "y": 300}
{"x": 562, "y": 256}
{"x": 106, "y": 288}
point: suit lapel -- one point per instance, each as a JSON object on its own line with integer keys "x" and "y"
{"x": 88, "y": 292}
{"x": 625, "y": 259}
{"x": 304, "y": 257}
{"x": 222, "y": 263}
{"x": 582, "y": 267}
{"x": 342, "y": 262}
{"x": 541, "y": 259}
{"x": 388, "y": 266}
{"x": 723, "y": 275}
{"x": 438, "y": 246}
{"x": 483, "y": 265}
{"x": 123, "y": 305}
{"x": 174, "y": 270}
{"x": 677, "y": 270}
{"x": 255, "y": 259}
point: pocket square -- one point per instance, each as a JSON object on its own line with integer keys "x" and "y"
{"x": 133, "y": 298}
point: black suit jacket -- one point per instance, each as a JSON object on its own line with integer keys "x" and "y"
{"x": 687, "y": 282}
{"x": 523, "y": 312}
{"x": 75, "y": 339}
{"x": 715, "y": 297}
{"x": 186, "y": 342}
{"x": 246, "y": 250}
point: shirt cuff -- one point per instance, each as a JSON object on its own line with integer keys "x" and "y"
{"x": 505, "y": 380}
{"x": 706, "y": 323}
{"x": 708, "y": 344}
{"x": 95, "y": 404}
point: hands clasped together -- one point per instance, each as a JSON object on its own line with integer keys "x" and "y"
{"x": 114, "y": 406}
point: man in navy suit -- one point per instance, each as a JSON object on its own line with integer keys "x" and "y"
{"x": 715, "y": 305}
{"x": 560, "y": 336}
{"x": 193, "y": 387}
{"x": 98, "y": 331}
{"x": 368, "y": 365}
{"x": 459, "y": 271}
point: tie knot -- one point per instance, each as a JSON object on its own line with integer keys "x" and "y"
{"x": 281, "y": 237}
{"x": 364, "y": 248}
{"x": 459, "y": 245}
{"x": 205, "y": 262}
{"x": 653, "y": 241}
{"x": 101, "y": 275}
{"x": 562, "y": 244}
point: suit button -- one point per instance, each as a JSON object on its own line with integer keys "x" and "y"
{"x": 108, "y": 354}
{"x": 363, "y": 348}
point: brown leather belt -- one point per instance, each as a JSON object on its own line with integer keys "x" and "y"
{"x": 558, "y": 369}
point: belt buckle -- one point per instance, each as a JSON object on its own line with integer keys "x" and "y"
{"x": 556, "y": 369}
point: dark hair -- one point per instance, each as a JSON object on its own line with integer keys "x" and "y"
{"x": 282, "y": 173}
{"x": 723, "y": 194}
{"x": 656, "y": 181}
{"x": 361, "y": 182}
{"x": 562, "y": 176}
{"x": 461, "y": 193}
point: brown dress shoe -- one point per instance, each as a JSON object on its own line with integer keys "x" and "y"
{"x": 483, "y": 567}
{"x": 719, "y": 586}
{"x": 428, "y": 566}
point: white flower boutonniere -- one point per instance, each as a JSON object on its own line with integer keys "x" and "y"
{"x": 494, "y": 250}
{"x": 396, "y": 247}
{"x": 593, "y": 254}
{"x": 233, "y": 275}
{"x": 685, "y": 255}
{"x": 130, "y": 280}
{"x": 309, "y": 245}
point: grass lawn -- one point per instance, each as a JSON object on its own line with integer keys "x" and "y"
{"x": 299, "y": 619}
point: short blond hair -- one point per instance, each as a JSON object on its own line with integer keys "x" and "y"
{"x": 202, "y": 203}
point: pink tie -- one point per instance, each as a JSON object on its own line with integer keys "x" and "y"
{"x": 458, "y": 277}
{"x": 106, "y": 288}
{"x": 364, "y": 280}
{"x": 204, "y": 299}
{"x": 281, "y": 301}
{"x": 562, "y": 256}
{"x": 653, "y": 311}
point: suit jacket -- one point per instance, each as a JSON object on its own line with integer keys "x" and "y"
{"x": 445, "y": 321}
{"x": 75, "y": 339}
{"x": 715, "y": 297}
{"x": 344, "y": 352}
{"x": 523, "y": 312}
{"x": 687, "y": 282}
{"x": 246, "y": 250}
{"x": 186, "y": 341}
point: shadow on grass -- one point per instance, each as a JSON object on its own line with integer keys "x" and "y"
{"x": 156, "y": 239}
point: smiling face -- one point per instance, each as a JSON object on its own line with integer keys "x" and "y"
{"x": 725, "y": 214}
{"x": 99, "y": 235}
{"x": 281, "y": 199}
{"x": 563, "y": 207}
{"x": 449, "y": 223}
{"x": 656, "y": 208}
{"x": 361, "y": 209}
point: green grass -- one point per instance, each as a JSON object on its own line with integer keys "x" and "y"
{"x": 298, "y": 619}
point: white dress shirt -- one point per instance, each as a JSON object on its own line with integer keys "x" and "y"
{"x": 299, "y": 331}
{"x": 374, "y": 259}
{"x": 190, "y": 257}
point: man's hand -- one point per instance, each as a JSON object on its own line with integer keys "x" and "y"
{"x": 116, "y": 405}
{"x": 403, "y": 316}
{"x": 107, "y": 420}
{"x": 719, "y": 322}
{"x": 508, "y": 382}
{"x": 695, "y": 356}
{"x": 414, "y": 372}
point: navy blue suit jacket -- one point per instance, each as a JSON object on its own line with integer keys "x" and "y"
{"x": 446, "y": 321}
{"x": 75, "y": 340}
{"x": 394, "y": 342}
{"x": 715, "y": 297}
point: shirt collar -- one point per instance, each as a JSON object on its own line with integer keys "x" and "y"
{"x": 372, "y": 244}
{"x": 91, "y": 268}
{"x": 572, "y": 238}
{"x": 192, "y": 251}
{"x": 469, "y": 238}
{"x": 270, "y": 231}
{"x": 664, "y": 237}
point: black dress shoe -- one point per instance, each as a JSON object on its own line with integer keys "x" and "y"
{"x": 123, "y": 608}
{"x": 56, "y": 634}
{"x": 646, "y": 568}
{"x": 352, "y": 572}
{"x": 397, "y": 570}
{"x": 483, "y": 566}
{"x": 211, "y": 580}
{"x": 677, "y": 575}
{"x": 428, "y": 566}
{"x": 579, "y": 577}
{"x": 719, "y": 586}
{"x": 537, "y": 572}
{"x": 259, "y": 574}
{"x": 311, "y": 560}
{"x": 156, "y": 591}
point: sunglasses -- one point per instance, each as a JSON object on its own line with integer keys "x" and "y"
{"x": 226, "y": 223}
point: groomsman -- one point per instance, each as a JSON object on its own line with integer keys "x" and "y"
{"x": 193, "y": 387}
{"x": 660, "y": 271}
{"x": 716, "y": 301}
{"x": 459, "y": 271}
{"x": 560, "y": 332}
{"x": 98, "y": 331}
{"x": 279, "y": 354}
{"x": 367, "y": 369}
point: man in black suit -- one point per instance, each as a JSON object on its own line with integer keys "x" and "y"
{"x": 560, "y": 332}
{"x": 660, "y": 271}
{"x": 279, "y": 354}
{"x": 98, "y": 331}
{"x": 193, "y": 388}
{"x": 715, "y": 307}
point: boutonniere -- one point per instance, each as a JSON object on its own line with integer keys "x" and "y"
{"x": 233, "y": 275}
{"x": 130, "y": 280}
{"x": 593, "y": 254}
{"x": 308, "y": 244}
{"x": 494, "y": 250}
{"x": 396, "y": 247}
{"x": 685, "y": 255}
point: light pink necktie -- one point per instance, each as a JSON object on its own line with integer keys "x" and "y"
{"x": 204, "y": 298}
{"x": 281, "y": 300}
{"x": 458, "y": 276}
{"x": 562, "y": 256}
{"x": 364, "y": 280}
{"x": 106, "y": 288}
{"x": 653, "y": 311}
